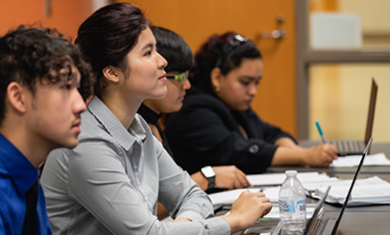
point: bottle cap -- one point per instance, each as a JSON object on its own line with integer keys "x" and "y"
{"x": 291, "y": 173}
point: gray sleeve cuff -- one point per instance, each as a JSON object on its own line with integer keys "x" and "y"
{"x": 218, "y": 225}
{"x": 212, "y": 225}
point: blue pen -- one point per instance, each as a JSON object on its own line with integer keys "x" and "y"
{"x": 320, "y": 131}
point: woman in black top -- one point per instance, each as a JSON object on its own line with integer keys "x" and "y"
{"x": 217, "y": 126}
{"x": 179, "y": 56}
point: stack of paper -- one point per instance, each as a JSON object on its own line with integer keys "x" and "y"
{"x": 228, "y": 197}
{"x": 379, "y": 159}
{"x": 368, "y": 191}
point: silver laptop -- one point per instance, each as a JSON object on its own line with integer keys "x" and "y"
{"x": 316, "y": 225}
{"x": 356, "y": 147}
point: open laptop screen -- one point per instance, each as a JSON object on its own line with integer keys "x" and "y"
{"x": 351, "y": 187}
{"x": 371, "y": 111}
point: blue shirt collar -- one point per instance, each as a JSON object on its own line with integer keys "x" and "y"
{"x": 22, "y": 171}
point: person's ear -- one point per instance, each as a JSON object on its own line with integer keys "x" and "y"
{"x": 16, "y": 97}
{"x": 111, "y": 73}
{"x": 216, "y": 79}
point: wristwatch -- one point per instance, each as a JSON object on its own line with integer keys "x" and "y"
{"x": 209, "y": 174}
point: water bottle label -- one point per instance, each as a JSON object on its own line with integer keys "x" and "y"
{"x": 292, "y": 206}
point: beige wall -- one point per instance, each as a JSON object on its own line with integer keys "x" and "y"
{"x": 374, "y": 14}
{"x": 339, "y": 96}
{"x": 339, "y": 93}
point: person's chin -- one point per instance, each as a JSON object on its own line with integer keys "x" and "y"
{"x": 178, "y": 106}
{"x": 174, "y": 109}
{"x": 243, "y": 107}
{"x": 71, "y": 143}
{"x": 159, "y": 94}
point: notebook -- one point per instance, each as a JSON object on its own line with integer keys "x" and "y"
{"x": 316, "y": 224}
{"x": 356, "y": 147}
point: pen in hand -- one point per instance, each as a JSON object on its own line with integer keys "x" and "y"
{"x": 320, "y": 131}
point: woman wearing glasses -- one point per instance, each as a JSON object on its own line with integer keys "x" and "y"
{"x": 217, "y": 126}
{"x": 111, "y": 182}
{"x": 179, "y": 56}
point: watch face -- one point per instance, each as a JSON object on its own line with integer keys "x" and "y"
{"x": 208, "y": 171}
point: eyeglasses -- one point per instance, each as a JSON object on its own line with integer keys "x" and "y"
{"x": 229, "y": 47}
{"x": 181, "y": 78}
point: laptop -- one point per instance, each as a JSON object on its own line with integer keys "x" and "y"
{"x": 316, "y": 225}
{"x": 332, "y": 224}
{"x": 329, "y": 226}
{"x": 356, "y": 147}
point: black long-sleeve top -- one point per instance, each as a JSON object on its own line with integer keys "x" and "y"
{"x": 205, "y": 132}
{"x": 152, "y": 118}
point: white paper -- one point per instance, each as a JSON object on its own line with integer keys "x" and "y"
{"x": 278, "y": 179}
{"x": 378, "y": 159}
{"x": 272, "y": 193}
{"x": 228, "y": 197}
{"x": 367, "y": 191}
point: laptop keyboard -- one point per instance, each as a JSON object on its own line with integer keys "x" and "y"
{"x": 319, "y": 227}
{"x": 348, "y": 146}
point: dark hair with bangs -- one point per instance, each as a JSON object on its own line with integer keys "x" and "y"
{"x": 174, "y": 49}
{"x": 212, "y": 55}
{"x": 29, "y": 54}
{"x": 108, "y": 35}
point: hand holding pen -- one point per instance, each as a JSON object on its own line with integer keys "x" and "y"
{"x": 321, "y": 133}
{"x": 323, "y": 154}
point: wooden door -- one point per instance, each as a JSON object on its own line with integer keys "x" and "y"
{"x": 196, "y": 20}
{"x": 66, "y": 16}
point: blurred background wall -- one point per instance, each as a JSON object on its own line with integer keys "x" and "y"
{"x": 338, "y": 92}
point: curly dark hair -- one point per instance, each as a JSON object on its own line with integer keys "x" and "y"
{"x": 216, "y": 52}
{"x": 29, "y": 54}
{"x": 108, "y": 35}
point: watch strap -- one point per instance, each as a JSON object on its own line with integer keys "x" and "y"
{"x": 211, "y": 182}
{"x": 210, "y": 179}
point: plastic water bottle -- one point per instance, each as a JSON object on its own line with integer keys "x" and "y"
{"x": 292, "y": 205}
